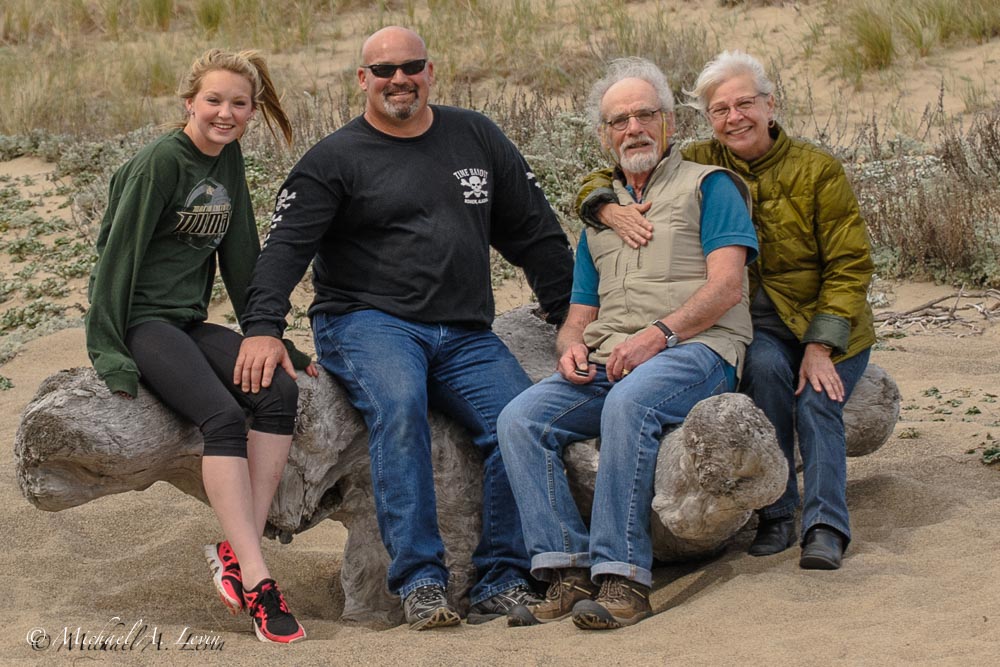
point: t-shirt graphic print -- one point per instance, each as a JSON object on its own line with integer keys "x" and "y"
{"x": 205, "y": 217}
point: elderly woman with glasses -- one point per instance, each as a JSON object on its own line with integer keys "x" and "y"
{"x": 812, "y": 324}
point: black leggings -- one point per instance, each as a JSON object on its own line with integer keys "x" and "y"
{"x": 190, "y": 369}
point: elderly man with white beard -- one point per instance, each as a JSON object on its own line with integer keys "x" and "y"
{"x": 650, "y": 332}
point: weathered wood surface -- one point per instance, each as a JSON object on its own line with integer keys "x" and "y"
{"x": 77, "y": 442}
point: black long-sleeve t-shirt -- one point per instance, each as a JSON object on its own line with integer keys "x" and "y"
{"x": 404, "y": 225}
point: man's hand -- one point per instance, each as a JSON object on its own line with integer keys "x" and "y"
{"x": 639, "y": 348}
{"x": 817, "y": 369}
{"x": 628, "y": 222}
{"x": 574, "y": 366}
{"x": 259, "y": 356}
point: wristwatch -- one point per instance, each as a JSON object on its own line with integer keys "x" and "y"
{"x": 668, "y": 333}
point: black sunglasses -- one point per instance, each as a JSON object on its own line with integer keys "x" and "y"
{"x": 386, "y": 71}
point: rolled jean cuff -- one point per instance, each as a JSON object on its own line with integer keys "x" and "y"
{"x": 502, "y": 587}
{"x": 414, "y": 585}
{"x": 556, "y": 560}
{"x": 639, "y": 575}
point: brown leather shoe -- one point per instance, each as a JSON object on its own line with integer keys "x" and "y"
{"x": 568, "y": 586}
{"x": 620, "y": 602}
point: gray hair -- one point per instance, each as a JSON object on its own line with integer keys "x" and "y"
{"x": 720, "y": 69}
{"x": 629, "y": 68}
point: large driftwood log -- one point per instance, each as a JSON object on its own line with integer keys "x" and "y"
{"x": 77, "y": 442}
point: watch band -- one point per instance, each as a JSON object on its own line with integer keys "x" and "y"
{"x": 667, "y": 332}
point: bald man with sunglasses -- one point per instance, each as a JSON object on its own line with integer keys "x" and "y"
{"x": 397, "y": 211}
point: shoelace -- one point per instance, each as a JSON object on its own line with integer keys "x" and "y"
{"x": 615, "y": 590}
{"x": 426, "y": 594}
{"x": 520, "y": 594}
{"x": 554, "y": 591}
{"x": 269, "y": 603}
{"x": 557, "y": 586}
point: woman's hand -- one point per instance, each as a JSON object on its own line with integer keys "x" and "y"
{"x": 628, "y": 222}
{"x": 817, "y": 370}
{"x": 312, "y": 370}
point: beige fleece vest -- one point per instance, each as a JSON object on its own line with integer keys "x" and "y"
{"x": 637, "y": 286}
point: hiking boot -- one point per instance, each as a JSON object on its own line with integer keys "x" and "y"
{"x": 501, "y": 604}
{"x": 427, "y": 607}
{"x": 271, "y": 619}
{"x": 567, "y": 587}
{"x": 620, "y": 602}
{"x": 226, "y": 575}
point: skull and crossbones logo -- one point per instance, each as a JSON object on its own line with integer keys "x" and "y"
{"x": 475, "y": 185}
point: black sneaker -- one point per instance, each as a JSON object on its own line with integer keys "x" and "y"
{"x": 501, "y": 603}
{"x": 427, "y": 607}
{"x": 271, "y": 619}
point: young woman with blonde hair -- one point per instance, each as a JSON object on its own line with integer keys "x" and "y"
{"x": 176, "y": 210}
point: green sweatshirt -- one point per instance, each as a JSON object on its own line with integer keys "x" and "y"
{"x": 173, "y": 212}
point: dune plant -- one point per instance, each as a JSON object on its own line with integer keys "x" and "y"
{"x": 157, "y": 13}
{"x": 873, "y": 33}
{"x": 209, "y": 15}
{"x": 867, "y": 39}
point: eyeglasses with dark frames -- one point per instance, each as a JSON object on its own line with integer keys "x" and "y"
{"x": 644, "y": 116}
{"x": 743, "y": 105}
{"x": 387, "y": 71}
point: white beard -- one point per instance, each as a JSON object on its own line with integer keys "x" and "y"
{"x": 639, "y": 163}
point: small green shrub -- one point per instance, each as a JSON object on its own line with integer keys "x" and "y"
{"x": 50, "y": 287}
{"x": 29, "y": 316}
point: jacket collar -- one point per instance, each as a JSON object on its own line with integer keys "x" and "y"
{"x": 766, "y": 161}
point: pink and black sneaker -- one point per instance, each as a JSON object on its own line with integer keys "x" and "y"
{"x": 226, "y": 575}
{"x": 271, "y": 619}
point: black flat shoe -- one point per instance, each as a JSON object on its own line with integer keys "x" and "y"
{"x": 773, "y": 536}
{"x": 823, "y": 549}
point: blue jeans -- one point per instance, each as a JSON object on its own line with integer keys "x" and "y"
{"x": 393, "y": 370}
{"x": 770, "y": 376}
{"x": 630, "y": 417}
